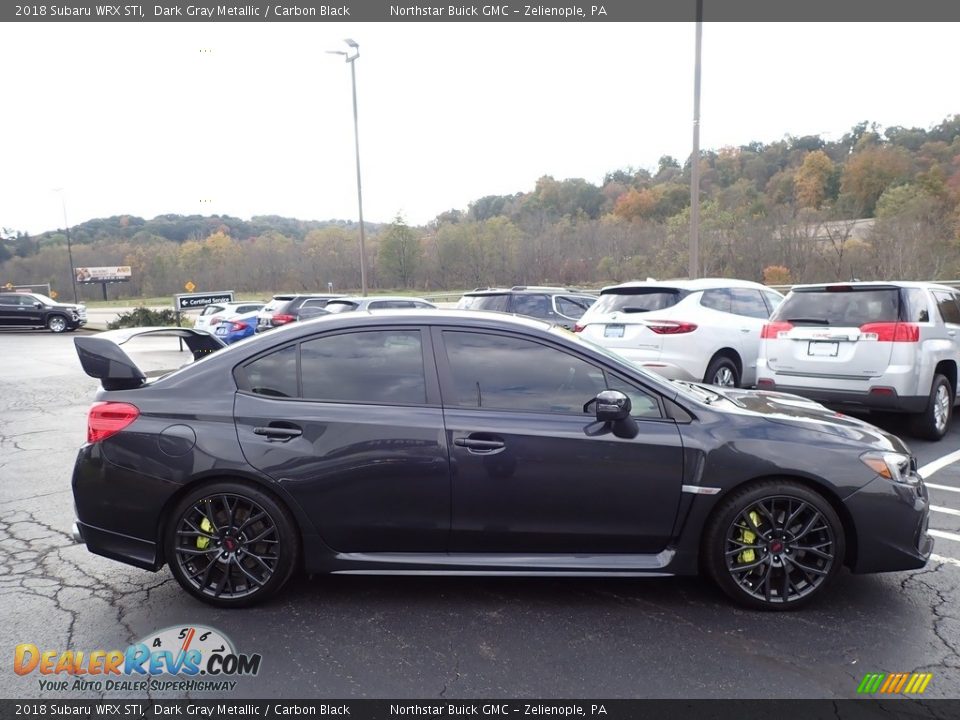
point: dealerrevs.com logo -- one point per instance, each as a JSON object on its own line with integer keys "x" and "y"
{"x": 178, "y": 658}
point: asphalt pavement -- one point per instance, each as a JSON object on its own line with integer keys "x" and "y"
{"x": 443, "y": 638}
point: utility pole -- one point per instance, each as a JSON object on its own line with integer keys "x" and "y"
{"x": 694, "y": 268}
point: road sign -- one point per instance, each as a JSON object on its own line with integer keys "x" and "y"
{"x": 189, "y": 286}
{"x": 199, "y": 300}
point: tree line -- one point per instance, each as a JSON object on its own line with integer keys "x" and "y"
{"x": 877, "y": 203}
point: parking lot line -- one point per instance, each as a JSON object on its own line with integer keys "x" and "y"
{"x": 938, "y": 464}
{"x": 945, "y": 535}
{"x": 942, "y": 559}
{"x": 947, "y": 511}
{"x": 942, "y": 487}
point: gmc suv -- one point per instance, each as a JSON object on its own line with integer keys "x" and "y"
{"x": 33, "y": 310}
{"x": 879, "y": 346}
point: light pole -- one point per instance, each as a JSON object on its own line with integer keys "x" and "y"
{"x": 73, "y": 275}
{"x": 694, "y": 266}
{"x": 350, "y": 57}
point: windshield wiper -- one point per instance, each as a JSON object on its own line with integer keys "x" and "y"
{"x": 810, "y": 321}
{"x": 709, "y": 396}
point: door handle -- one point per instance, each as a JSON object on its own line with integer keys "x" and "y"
{"x": 278, "y": 433}
{"x": 744, "y": 330}
{"x": 479, "y": 446}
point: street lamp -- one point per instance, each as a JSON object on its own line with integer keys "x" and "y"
{"x": 350, "y": 56}
{"x": 73, "y": 276}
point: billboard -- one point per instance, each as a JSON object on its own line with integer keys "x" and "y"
{"x": 113, "y": 273}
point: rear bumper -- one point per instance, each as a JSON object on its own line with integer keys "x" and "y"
{"x": 116, "y": 546}
{"x": 853, "y": 399}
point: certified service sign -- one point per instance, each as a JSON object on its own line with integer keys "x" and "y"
{"x": 192, "y": 301}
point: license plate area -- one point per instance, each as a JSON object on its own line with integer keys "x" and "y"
{"x": 819, "y": 348}
{"x": 613, "y": 331}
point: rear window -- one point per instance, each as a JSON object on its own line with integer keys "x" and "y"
{"x": 277, "y": 303}
{"x": 339, "y": 306}
{"x": 637, "y": 300}
{"x": 846, "y": 307}
{"x": 497, "y": 303}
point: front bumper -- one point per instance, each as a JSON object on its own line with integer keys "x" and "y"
{"x": 891, "y": 520}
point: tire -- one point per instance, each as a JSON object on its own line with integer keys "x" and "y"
{"x": 57, "y": 324}
{"x": 785, "y": 566}
{"x": 249, "y": 538}
{"x": 934, "y": 421}
{"x": 722, "y": 371}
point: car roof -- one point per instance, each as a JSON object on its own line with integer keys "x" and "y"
{"x": 520, "y": 289}
{"x": 874, "y": 284}
{"x": 372, "y": 298}
{"x": 689, "y": 285}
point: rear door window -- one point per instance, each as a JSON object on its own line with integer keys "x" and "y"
{"x": 273, "y": 375}
{"x": 947, "y": 305}
{"x": 537, "y": 306}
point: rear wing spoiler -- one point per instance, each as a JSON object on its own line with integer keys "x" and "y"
{"x": 102, "y": 357}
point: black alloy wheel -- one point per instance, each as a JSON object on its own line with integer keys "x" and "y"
{"x": 775, "y": 545}
{"x": 231, "y": 545}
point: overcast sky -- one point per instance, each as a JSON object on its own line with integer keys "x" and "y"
{"x": 253, "y": 119}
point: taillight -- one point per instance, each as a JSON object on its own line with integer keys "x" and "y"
{"x": 215, "y": 321}
{"x": 578, "y": 327}
{"x": 236, "y": 326}
{"x": 283, "y": 319}
{"x": 892, "y": 332}
{"x": 670, "y": 327}
{"x": 771, "y": 331}
{"x": 108, "y": 418}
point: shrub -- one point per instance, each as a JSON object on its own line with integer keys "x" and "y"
{"x": 143, "y": 317}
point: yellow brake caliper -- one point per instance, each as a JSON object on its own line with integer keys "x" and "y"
{"x": 747, "y": 537}
{"x": 203, "y": 542}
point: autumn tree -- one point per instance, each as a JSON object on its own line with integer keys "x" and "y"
{"x": 811, "y": 181}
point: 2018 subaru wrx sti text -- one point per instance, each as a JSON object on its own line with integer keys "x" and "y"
{"x": 449, "y": 442}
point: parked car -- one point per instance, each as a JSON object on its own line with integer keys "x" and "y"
{"x": 237, "y": 327}
{"x": 700, "y": 330}
{"x": 213, "y": 315}
{"x": 33, "y": 310}
{"x": 380, "y": 302}
{"x": 464, "y": 443}
{"x": 563, "y": 306}
{"x": 284, "y": 309}
{"x": 877, "y": 346}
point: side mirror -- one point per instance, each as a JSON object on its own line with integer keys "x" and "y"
{"x": 38, "y": 304}
{"x": 612, "y": 406}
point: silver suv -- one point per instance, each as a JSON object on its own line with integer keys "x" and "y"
{"x": 878, "y": 346}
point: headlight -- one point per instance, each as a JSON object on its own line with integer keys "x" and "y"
{"x": 893, "y": 466}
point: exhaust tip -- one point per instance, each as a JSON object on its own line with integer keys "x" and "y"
{"x": 75, "y": 532}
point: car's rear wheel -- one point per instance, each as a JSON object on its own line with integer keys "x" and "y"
{"x": 934, "y": 421}
{"x": 774, "y": 545}
{"x": 722, "y": 371}
{"x": 57, "y": 323}
{"x": 231, "y": 544}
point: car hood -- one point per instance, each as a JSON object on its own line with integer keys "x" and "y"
{"x": 800, "y": 412}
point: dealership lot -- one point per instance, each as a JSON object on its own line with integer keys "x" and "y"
{"x": 436, "y": 637}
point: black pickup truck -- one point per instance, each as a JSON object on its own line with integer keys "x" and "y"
{"x": 21, "y": 309}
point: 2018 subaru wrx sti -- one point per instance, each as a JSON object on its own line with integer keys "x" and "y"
{"x": 449, "y": 442}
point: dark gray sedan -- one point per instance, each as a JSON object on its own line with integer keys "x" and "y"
{"x": 471, "y": 443}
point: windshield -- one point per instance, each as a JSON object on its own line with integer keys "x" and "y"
{"x": 844, "y": 306}
{"x": 637, "y": 300}
{"x": 44, "y": 299}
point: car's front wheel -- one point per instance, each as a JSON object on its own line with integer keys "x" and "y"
{"x": 231, "y": 544}
{"x": 774, "y": 545}
{"x": 57, "y": 323}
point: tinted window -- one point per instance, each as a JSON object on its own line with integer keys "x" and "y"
{"x": 531, "y": 305}
{"x": 315, "y": 302}
{"x": 505, "y": 373}
{"x": 773, "y": 299}
{"x": 248, "y": 308}
{"x": 365, "y": 367}
{"x": 496, "y": 303}
{"x": 748, "y": 302}
{"x": 391, "y": 305}
{"x": 641, "y": 404}
{"x": 845, "y": 307}
{"x": 573, "y": 307}
{"x": 720, "y": 299}
{"x": 211, "y": 309}
{"x": 6, "y": 299}
{"x": 274, "y": 374}
{"x": 947, "y": 305}
{"x": 637, "y": 300}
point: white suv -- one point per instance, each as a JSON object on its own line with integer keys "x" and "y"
{"x": 705, "y": 330}
{"x": 882, "y": 346}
